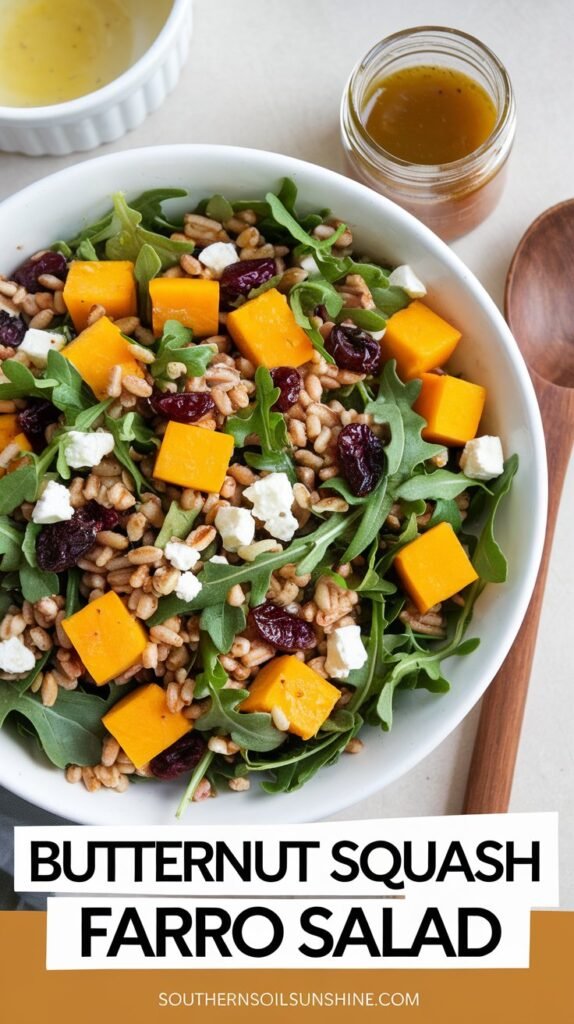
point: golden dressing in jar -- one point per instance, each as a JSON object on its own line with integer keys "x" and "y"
{"x": 52, "y": 51}
{"x": 429, "y": 115}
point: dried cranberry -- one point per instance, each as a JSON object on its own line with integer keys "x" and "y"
{"x": 281, "y": 629}
{"x": 289, "y": 382}
{"x": 183, "y": 756}
{"x": 361, "y": 457}
{"x": 28, "y": 272}
{"x": 33, "y": 420}
{"x": 60, "y": 545}
{"x": 354, "y": 349}
{"x": 12, "y": 329}
{"x": 239, "y": 278}
{"x": 184, "y": 408}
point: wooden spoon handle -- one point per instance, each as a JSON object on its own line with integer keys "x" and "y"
{"x": 494, "y": 756}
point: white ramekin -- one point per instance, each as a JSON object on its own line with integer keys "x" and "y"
{"x": 110, "y": 112}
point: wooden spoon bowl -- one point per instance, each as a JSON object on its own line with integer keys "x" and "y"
{"x": 539, "y": 307}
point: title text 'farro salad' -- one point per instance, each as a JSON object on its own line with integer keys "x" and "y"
{"x": 241, "y": 501}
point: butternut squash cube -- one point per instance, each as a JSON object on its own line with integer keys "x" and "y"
{"x": 434, "y": 567}
{"x": 266, "y": 332}
{"x": 107, "y": 638}
{"x": 143, "y": 725}
{"x": 304, "y": 697}
{"x": 193, "y": 302}
{"x": 451, "y": 407}
{"x": 193, "y": 457}
{"x": 10, "y": 434}
{"x": 96, "y": 351}
{"x": 110, "y": 283}
{"x": 419, "y": 340}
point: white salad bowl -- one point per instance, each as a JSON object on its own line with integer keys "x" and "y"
{"x": 56, "y": 208}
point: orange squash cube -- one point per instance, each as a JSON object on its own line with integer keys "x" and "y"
{"x": 266, "y": 332}
{"x": 193, "y": 457}
{"x": 192, "y": 301}
{"x": 419, "y": 340}
{"x": 109, "y": 283}
{"x": 434, "y": 567}
{"x": 96, "y": 351}
{"x": 10, "y": 434}
{"x": 451, "y": 407}
{"x": 107, "y": 638}
{"x": 304, "y": 697}
{"x": 143, "y": 725}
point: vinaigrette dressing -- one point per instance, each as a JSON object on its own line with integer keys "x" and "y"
{"x": 429, "y": 115}
{"x": 56, "y": 50}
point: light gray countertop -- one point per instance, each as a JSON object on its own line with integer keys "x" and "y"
{"x": 269, "y": 74}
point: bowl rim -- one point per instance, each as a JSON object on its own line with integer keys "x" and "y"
{"x": 276, "y": 166}
{"x": 90, "y": 102}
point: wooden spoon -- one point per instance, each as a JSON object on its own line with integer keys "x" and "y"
{"x": 539, "y": 307}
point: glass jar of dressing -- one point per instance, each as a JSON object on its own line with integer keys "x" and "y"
{"x": 428, "y": 119}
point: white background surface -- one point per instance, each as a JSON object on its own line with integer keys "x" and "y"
{"x": 269, "y": 74}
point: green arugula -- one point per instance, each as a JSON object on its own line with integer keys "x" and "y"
{"x": 222, "y": 623}
{"x": 177, "y": 523}
{"x": 439, "y": 483}
{"x": 34, "y": 582}
{"x": 488, "y": 559}
{"x": 175, "y": 346}
{"x": 127, "y": 236}
{"x": 146, "y": 267}
{"x": 269, "y": 427}
{"x": 10, "y": 545}
{"x": 125, "y": 430}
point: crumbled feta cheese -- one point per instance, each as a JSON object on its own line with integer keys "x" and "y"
{"x": 482, "y": 458}
{"x": 188, "y": 587}
{"x": 181, "y": 555}
{"x": 309, "y": 263}
{"x": 87, "y": 449}
{"x": 272, "y": 498}
{"x": 404, "y": 277}
{"x": 36, "y": 344}
{"x": 219, "y": 560}
{"x": 236, "y": 527}
{"x": 15, "y": 657}
{"x": 345, "y": 651}
{"x": 218, "y": 256}
{"x": 53, "y": 506}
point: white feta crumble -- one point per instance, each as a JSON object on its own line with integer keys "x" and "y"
{"x": 345, "y": 651}
{"x": 236, "y": 527}
{"x": 188, "y": 587}
{"x": 272, "y": 498}
{"x": 482, "y": 458}
{"x": 219, "y": 560}
{"x": 53, "y": 505}
{"x": 181, "y": 555}
{"x": 217, "y": 256}
{"x": 36, "y": 344}
{"x": 309, "y": 263}
{"x": 404, "y": 277}
{"x": 15, "y": 657}
{"x": 87, "y": 449}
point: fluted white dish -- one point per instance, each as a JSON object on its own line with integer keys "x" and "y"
{"x": 56, "y": 208}
{"x": 110, "y": 112}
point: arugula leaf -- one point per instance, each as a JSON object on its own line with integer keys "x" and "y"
{"x": 363, "y": 679}
{"x": 303, "y": 298}
{"x": 22, "y": 383}
{"x": 71, "y": 731}
{"x": 282, "y": 216}
{"x": 149, "y": 204}
{"x": 488, "y": 559}
{"x": 19, "y": 486}
{"x": 175, "y": 346}
{"x": 10, "y": 545}
{"x": 270, "y": 428}
{"x": 195, "y": 778}
{"x": 124, "y": 431}
{"x": 222, "y": 623}
{"x": 389, "y": 299}
{"x": 366, "y": 319}
{"x": 217, "y": 579}
{"x": 34, "y": 582}
{"x": 69, "y": 392}
{"x": 301, "y": 760}
{"x": 446, "y": 511}
{"x": 73, "y": 602}
{"x": 177, "y": 523}
{"x": 126, "y": 236}
{"x": 86, "y": 251}
{"x": 219, "y": 208}
{"x": 441, "y": 483}
{"x": 373, "y": 514}
{"x": 393, "y": 406}
{"x": 253, "y": 730}
{"x": 146, "y": 267}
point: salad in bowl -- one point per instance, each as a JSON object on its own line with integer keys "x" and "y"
{"x": 245, "y": 500}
